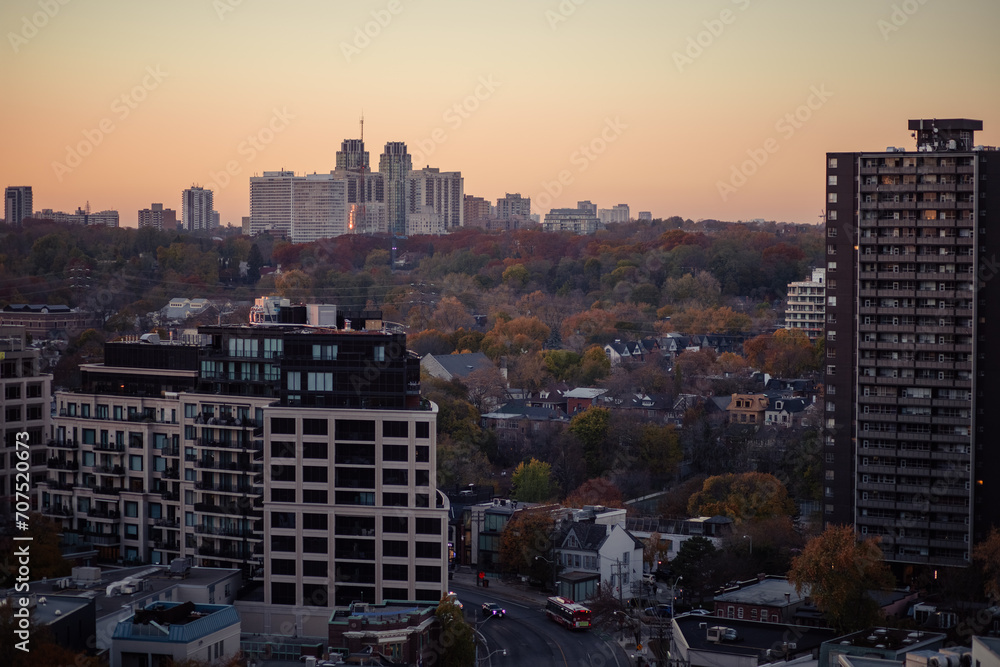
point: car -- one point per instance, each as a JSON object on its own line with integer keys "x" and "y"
{"x": 452, "y": 597}
{"x": 493, "y": 609}
{"x": 660, "y": 611}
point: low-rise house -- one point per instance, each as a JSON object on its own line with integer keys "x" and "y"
{"x": 620, "y": 352}
{"x": 769, "y": 598}
{"x": 787, "y": 412}
{"x": 590, "y": 554}
{"x": 581, "y": 398}
{"x": 747, "y": 409}
{"x": 405, "y": 633}
{"x": 516, "y": 420}
{"x": 451, "y": 366}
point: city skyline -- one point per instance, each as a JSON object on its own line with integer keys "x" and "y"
{"x": 712, "y": 110}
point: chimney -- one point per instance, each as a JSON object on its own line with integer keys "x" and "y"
{"x": 788, "y": 598}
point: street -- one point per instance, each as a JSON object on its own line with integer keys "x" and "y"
{"x": 531, "y": 639}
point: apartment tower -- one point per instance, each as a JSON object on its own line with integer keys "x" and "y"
{"x": 911, "y": 323}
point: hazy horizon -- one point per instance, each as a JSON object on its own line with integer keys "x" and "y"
{"x": 651, "y": 104}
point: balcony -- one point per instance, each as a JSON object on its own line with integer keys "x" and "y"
{"x": 103, "y": 514}
{"x": 117, "y": 471}
{"x": 167, "y": 545}
{"x": 108, "y": 447}
{"x": 168, "y": 523}
{"x": 108, "y": 490}
{"x": 61, "y": 464}
{"x": 63, "y": 444}
{"x": 170, "y": 495}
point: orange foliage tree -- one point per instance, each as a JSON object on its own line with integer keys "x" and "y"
{"x": 742, "y": 497}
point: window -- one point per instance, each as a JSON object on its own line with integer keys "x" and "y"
{"x": 395, "y": 549}
{"x": 315, "y": 450}
{"x": 314, "y": 426}
{"x": 282, "y": 425}
{"x": 428, "y": 526}
{"x": 314, "y": 521}
{"x": 315, "y": 545}
{"x": 395, "y": 500}
{"x": 314, "y": 474}
{"x": 395, "y": 524}
{"x": 832, "y": 197}
{"x": 831, "y": 266}
{"x": 831, "y": 232}
{"x": 135, "y": 462}
{"x": 831, "y": 163}
{"x": 281, "y": 449}
{"x": 282, "y": 519}
{"x": 320, "y": 381}
{"x": 428, "y": 550}
{"x": 378, "y": 353}
{"x": 324, "y": 352}
{"x": 315, "y": 568}
{"x": 132, "y": 531}
{"x": 395, "y": 453}
{"x": 831, "y": 179}
{"x": 428, "y": 572}
{"x": 293, "y": 381}
{"x": 395, "y": 429}
{"x": 282, "y": 543}
{"x": 282, "y": 495}
{"x": 314, "y": 496}
{"x": 423, "y": 430}
{"x": 285, "y": 566}
{"x": 131, "y": 508}
{"x": 397, "y": 572}
{"x": 831, "y": 301}
{"x": 282, "y": 593}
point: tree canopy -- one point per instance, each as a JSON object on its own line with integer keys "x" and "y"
{"x": 743, "y": 496}
{"x": 837, "y": 570}
{"x": 532, "y": 481}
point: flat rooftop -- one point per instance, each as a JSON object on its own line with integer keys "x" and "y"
{"x": 753, "y": 638}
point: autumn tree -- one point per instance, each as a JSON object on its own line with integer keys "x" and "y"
{"x": 741, "y": 497}
{"x": 451, "y": 314}
{"x": 527, "y": 536}
{"x": 987, "y": 554}
{"x": 487, "y": 388}
{"x": 655, "y": 551}
{"x": 837, "y": 570}
{"x": 457, "y": 645}
{"x": 594, "y": 366}
{"x": 517, "y": 336}
{"x": 532, "y": 481}
{"x": 597, "y": 491}
{"x": 785, "y": 353}
{"x": 591, "y": 427}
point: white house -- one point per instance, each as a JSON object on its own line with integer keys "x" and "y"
{"x": 594, "y": 553}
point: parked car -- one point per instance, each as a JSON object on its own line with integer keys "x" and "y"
{"x": 493, "y": 609}
{"x": 660, "y": 611}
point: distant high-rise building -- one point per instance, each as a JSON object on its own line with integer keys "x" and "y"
{"x": 319, "y": 207}
{"x": 476, "y": 209}
{"x": 615, "y": 214}
{"x": 158, "y": 218}
{"x": 352, "y": 155}
{"x": 645, "y": 216}
{"x": 26, "y": 394}
{"x": 440, "y": 191}
{"x": 17, "y": 204}
{"x": 570, "y": 220}
{"x": 586, "y": 205}
{"x": 395, "y": 165}
{"x": 271, "y": 203}
{"x": 197, "y": 208}
{"x": 513, "y": 204}
{"x": 911, "y": 322}
{"x": 805, "y": 308}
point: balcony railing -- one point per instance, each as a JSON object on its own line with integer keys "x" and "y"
{"x": 63, "y": 444}
{"x": 61, "y": 464}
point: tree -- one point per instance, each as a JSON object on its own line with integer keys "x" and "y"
{"x": 655, "y": 551}
{"x": 741, "y": 497}
{"x": 528, "y": 535}
{"x": 597, "y": 491}
{"x": 487, "y": 388}
{"x": 837, "y": 570}
{"x": 785, "y": 353}
{"x": 987, "y": 554}
{"x": 697, "y": 562}
{"x": 591, "y": 427}
{"x": 532, "y": 481}
{"x": 254, "y": 263}
{"x": 451, "y": 314}
{"x": 457, "y": 643}
{"x": 660, "y": 449}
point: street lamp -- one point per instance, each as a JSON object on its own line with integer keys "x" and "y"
{"x": 749, "y": 537}
{"x": 488, "y": 657}
{"x": 673, "y": 599}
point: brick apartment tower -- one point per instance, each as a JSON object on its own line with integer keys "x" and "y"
{"x": 911, "y": 328}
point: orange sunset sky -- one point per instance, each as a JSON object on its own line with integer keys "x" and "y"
{"x": 127, "y": 102}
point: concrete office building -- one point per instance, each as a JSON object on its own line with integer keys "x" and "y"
{"x": 911, "y": 328}
{"x": 440, "y": 192}
{"x": 395, "y": 165}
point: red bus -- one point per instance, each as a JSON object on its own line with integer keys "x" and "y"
{"x": 566, "y": 612}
